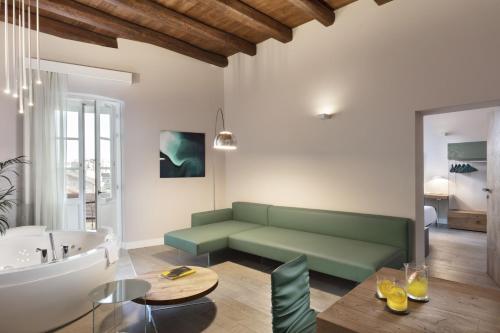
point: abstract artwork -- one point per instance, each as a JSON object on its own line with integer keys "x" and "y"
{"x": 182, "y": 154}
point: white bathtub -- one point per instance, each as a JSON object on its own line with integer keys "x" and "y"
{"x": 36, "y": 297}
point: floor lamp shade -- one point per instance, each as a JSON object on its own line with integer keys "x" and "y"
{"x": 224, "y": 140}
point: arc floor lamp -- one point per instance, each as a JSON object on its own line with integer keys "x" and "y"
{"x": 224, "y": 140}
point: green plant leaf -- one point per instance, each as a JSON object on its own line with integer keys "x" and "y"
{"x": 13, "y": 161}
{"x": 4, "y": 225}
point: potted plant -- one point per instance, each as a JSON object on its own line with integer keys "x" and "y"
{"x": 7, "y": 189}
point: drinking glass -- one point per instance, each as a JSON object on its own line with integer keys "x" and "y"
{"x": 384, "y": 285}
{"x": 397, "y": 299}
{"x": 417, "y": 281}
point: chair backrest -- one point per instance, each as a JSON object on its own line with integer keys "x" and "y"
{"x": 290, "y": 298}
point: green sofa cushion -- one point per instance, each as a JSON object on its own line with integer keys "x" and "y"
{"x": 250, "y": 212}
{"x": 386, "y": 230}
{"x": 211, "y": 216}
{"x": 346, "y": 258}
{"x": 206, "y": 238}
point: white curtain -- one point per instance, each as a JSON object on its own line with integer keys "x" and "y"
{"x": 44, "y": 147}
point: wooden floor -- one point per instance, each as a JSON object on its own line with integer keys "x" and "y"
{"x": 459, "y": 255}
{"x": 241, "y": 302}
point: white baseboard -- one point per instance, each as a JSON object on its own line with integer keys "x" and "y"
{"x": 142, "y": 243}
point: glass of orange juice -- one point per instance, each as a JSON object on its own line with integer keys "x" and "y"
{"x": 384, "y": 285}
{"x": 397, "y": 298}
{"x": 417, "y": 281}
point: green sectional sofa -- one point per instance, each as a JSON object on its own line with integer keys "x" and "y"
{"x": 348, "y": 245}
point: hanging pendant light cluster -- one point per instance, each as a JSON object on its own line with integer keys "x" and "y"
{"x": 17, "y": 43}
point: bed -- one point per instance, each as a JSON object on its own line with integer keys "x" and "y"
{"x": 430, "y": 216}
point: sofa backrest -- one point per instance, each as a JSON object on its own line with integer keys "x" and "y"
{"x": 387, "y": 230}
{"x": 250, "y": 212}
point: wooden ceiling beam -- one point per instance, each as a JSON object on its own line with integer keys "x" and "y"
{"x": 67, "y": 31}
{"x": 173, "y": 20}
{"x": 252, "y": 18}
{"x": 127, "y": 30}
{"x": 382, "y": 2}
{"x": 317, "y": 9}
{"x": 336, "y": 4}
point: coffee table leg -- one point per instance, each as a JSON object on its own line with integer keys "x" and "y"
{"x": 151, "y": 319}
{"x": 209, "y": 301}
{"x": 145, "y": 316}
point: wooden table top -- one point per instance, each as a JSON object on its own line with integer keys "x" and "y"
{"x": 185, "y": 289}
{"x": 453, "y": 307}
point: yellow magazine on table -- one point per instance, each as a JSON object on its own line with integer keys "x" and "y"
{"x": 178, "y": 273}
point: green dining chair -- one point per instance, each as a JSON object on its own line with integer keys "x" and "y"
{"x": 290, "y": 298}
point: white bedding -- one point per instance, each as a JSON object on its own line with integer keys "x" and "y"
{"x": 430, "y": 215}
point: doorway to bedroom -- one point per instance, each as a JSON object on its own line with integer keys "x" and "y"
{"x": 456, "y": 194}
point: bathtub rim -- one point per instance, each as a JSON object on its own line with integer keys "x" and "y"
{"x": 59, "y": 262}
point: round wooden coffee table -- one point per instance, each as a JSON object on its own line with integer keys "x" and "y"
{"x": 174, "y": 293}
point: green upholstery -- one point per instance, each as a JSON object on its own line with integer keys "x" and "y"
{"x": 290, "y": 298}
{"x": 346, "y": 258}
{"x": 211, "y": 216}
{"x": 386, "y": 230}
{"x": 250, "y": 212}
{"x": 206, "y": 238}
{"x": 347, "y": 245}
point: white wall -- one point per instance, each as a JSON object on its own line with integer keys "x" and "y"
{"x": 465, "y": 126}
{"x": 375, "y": 66}
{"x": 172, "y": 92}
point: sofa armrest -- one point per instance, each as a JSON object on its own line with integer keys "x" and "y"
{"x": 212, "y": 216}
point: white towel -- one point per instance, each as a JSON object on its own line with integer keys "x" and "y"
{"x": 111, "y": 251}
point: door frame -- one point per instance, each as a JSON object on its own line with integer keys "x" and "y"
{"x": 419, "y": 234}
{"x": 119, "y": 169}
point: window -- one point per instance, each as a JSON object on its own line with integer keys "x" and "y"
{"x": 72, "y": 164}
{"x": 106, "y": 153}
{"x": 91, "y": 133}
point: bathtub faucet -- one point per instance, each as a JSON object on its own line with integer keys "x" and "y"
{"x": 44, "y": 256}
{"x": 65, "y": 251}
{"x": 51, "y": 237}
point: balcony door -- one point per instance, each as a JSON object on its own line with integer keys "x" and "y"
{"x": 92, "y": 162}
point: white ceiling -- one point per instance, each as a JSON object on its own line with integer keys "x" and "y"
{"x": 462, "y": 126}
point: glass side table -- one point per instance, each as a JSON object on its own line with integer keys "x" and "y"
{"x": 117, "y": 292}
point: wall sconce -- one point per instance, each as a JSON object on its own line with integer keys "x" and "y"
{"x": 325, "y": 112}
{"x": 325, "y": 116}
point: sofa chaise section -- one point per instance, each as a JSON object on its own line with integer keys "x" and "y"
{"x": 210, "y": 230}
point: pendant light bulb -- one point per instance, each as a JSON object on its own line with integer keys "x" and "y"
{"x": 6, "y": 48}
{"x": 38, "y": 79}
